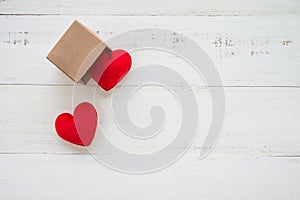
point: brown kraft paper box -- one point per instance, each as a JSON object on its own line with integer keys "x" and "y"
{"x": 76, "y": 51}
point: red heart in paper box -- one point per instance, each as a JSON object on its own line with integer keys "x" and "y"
{"x": 110, "y": 68}
{"x": 80, "y": 128}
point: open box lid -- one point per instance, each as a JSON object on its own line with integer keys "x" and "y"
{"x": 76, "y": 51}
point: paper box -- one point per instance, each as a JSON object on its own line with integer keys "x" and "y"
{"x": 76, "y": 51}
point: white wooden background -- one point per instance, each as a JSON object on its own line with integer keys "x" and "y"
{"x": 254, "y": 45}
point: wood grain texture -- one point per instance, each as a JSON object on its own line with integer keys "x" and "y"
{"x": 80, "y": 176}
{"x": 259, "y": 121}
{"x": 149, "y": 7}
{"x": 247, "y": 51}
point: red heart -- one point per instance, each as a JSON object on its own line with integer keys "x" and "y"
{"x": 79, "y": 129}
{"x": 110, "y": 68}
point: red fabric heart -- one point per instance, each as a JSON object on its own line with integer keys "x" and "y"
{"x": 110, "y": 68}
{"x": 79, "y": 129}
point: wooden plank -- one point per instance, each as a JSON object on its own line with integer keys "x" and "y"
{"x": 259, "y": 121}
{"x": 247, "y": 51}
{"x": 80, "y": 176}
{"x": 148, "y": 7}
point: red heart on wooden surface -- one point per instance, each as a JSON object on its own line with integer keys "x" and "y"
{"x": 80, "y": 128}
{"x": 110, "y": 68}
